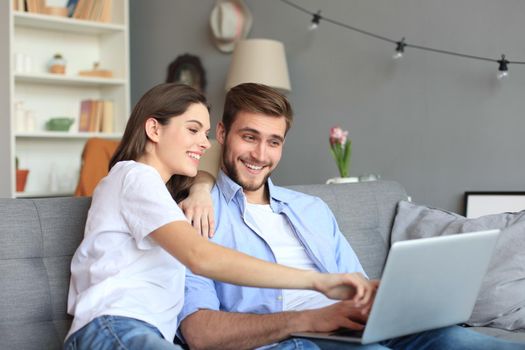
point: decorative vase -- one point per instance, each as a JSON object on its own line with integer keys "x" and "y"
{"x": 21, "y": 179}
{"x": 342, "y": 180}
{"x": 57, "y": 65}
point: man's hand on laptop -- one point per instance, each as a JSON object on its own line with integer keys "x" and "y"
{"x": 343, "y": 314}
{"x": 347, "y": 286}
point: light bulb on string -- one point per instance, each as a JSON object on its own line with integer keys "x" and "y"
{"x": 400, "y": 49}
{"x": 503, "y": 69}
{"x": 315, "y": 20}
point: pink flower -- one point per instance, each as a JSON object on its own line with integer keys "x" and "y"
{"x": 338, "y": 135}
{"x": 341, "y": 149}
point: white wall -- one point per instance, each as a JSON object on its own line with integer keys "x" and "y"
{"x": 439, "y": 125}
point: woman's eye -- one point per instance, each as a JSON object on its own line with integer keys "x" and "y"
{"x": 193, "y": 131}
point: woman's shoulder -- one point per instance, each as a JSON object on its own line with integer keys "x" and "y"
{"x": 128, "y": 168}
{"x": 132, "y": 174}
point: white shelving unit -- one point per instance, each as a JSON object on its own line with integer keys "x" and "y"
{"x": 53, "y": 157}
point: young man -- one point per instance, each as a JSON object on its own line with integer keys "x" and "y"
{"x": 258, "y": 218}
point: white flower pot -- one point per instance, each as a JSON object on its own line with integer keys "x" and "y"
{"x": 342, "y": 180}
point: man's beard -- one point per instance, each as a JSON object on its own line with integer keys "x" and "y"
{"x": 232, "y": 172}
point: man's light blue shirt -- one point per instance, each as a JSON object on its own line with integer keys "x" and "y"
{"x": 310, "y": 219}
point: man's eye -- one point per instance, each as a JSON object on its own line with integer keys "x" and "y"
{"x": 275, "y": 143}
{"x": 248, "y": 137}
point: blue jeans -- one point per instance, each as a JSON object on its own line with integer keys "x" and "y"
{"x": 117, "y": 332}
{"x": 450, "y": 338}
{"x": 318, "y": 344}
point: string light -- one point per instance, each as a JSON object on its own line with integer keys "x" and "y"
{"x": 315, "y": 20}
{"x": 400, "y": 49}
{"x": 503, "y": 70}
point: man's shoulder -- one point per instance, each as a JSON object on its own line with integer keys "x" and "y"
{"x": 295, "y": 197}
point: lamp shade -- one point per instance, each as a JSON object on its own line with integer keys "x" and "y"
{"x": 260, "y": 61}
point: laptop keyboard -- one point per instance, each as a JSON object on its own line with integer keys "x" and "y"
{"x": 345, "y": 332}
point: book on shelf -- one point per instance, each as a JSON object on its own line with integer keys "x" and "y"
{"x": 108, "y": 123}
{"x": 91, "y": 10}
{"x": 19, "y": 5}
{"x": 35, "y": 6}
{"x": 85, "y": 111}
{"x": 71, "y": 4}
{"x": 96, "y": 116}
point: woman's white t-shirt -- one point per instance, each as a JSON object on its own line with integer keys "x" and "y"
{"x": 118, "y": 269}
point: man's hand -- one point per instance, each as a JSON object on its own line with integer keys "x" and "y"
{"x": 348, "y": 286}
{"x": 343, "y": 314}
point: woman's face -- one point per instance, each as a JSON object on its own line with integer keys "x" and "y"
{"x": 182, "y": 142}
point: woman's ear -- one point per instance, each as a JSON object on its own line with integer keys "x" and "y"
{"x": 152, "y": 127}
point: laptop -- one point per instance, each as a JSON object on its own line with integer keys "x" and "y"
{"x": 427, "y": 283}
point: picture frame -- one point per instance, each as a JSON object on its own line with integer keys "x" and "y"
{"x": 187, "y": 69}
{"x": 480, "y": 203}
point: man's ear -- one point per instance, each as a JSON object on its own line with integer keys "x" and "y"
{"x": 220, "y": 133}
{"x": 152, "y": 127}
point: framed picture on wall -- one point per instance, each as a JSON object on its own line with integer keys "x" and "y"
{"x": 187, "y": 69}
{"x": 490, "y": 202}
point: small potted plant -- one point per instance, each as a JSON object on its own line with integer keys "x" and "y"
{"x": 21, "y": 177}
{"x": 341, "y": 149}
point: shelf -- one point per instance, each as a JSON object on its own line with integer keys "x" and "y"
{"x": 66, "y": 135}
{"x": 61, "y": 24}
{"x": 31, "y": 39}
{"x": 42, "y": 194}
{"x": 47, "y": 78}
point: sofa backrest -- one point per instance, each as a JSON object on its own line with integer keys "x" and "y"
{"x": 365, "y": 213}
{"x": 38, "y": 238}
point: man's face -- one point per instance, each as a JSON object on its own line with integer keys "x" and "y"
{"x": 252, "y": 149}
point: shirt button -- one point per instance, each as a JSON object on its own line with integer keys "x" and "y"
{"x": 280, "y": 297}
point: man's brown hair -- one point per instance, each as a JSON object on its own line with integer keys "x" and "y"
{"x": 255, "y": 98}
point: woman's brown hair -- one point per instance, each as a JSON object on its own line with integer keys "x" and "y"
{"x": 161, "y": 102}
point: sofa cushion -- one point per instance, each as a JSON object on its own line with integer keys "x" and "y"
{"x": 501, "y": 301}
{"x": 37, "y": 241}
{"x": 365, "y": 214}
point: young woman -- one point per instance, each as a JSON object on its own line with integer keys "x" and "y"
{"x": 127, "y": 276}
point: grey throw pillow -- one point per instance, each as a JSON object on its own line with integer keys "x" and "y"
{"x": 501, "y": 301}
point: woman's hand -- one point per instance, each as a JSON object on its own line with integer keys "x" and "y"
{"x": 348, "y": 286}
{"x": 198, "y": 206}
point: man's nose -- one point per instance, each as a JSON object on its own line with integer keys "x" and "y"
{"x": 259, "y": 151}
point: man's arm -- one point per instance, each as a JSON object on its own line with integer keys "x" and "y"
{"x": 208, "y": 329}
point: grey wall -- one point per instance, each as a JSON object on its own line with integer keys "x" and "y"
{"x": 439, "y": 125}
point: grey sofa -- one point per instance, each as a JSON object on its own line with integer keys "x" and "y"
{"x": 38, "y": 238}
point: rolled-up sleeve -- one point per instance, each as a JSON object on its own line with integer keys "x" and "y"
{"x": 199, "y": 293}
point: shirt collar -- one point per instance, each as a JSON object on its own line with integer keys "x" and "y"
{"x": 230, "y": 188}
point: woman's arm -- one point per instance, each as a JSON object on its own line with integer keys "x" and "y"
{"x": 220, "y": 263}
{"x": 198, "y": 206}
